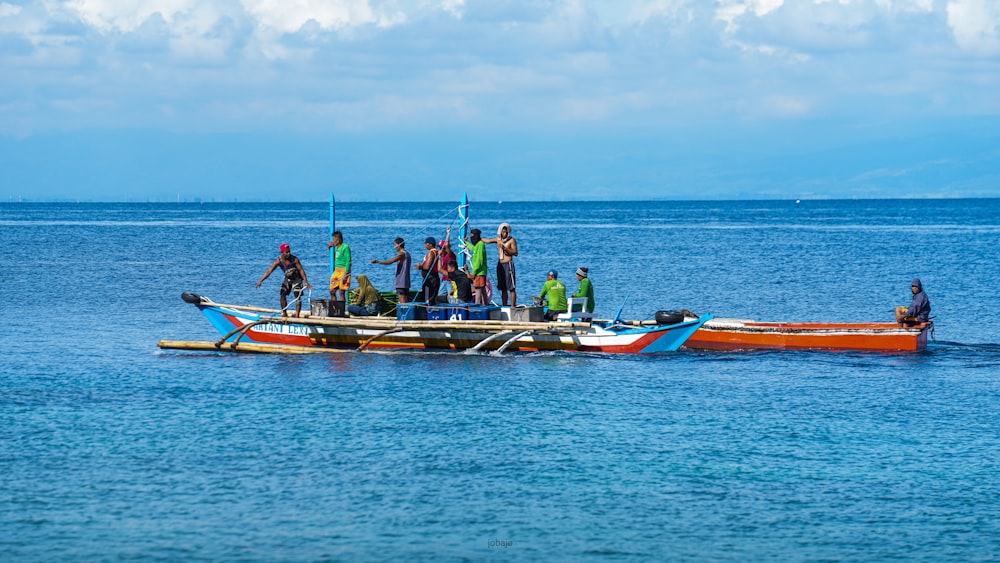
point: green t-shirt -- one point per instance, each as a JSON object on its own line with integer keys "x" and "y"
{"x": 342, "y": 257}
{"x": 586, "y": 290}
{"x": 479, "y": 259}
{"x": 554, "y": 291}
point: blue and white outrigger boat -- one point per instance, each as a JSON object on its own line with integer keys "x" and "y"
{"x": 252, "y": 329}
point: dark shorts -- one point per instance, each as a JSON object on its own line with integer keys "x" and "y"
{"x": 289, "y": 286}
{"x": 432, "y": 285}
{"x": 551, "y": 315}
{"x": 506, "y": 276}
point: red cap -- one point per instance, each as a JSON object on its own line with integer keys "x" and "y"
{"x": 285, "y": 248}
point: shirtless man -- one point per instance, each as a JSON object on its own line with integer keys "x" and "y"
{"x": 506, "y": 251}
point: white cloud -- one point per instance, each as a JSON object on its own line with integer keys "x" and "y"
{"x": 907, "y": 5}
{"x": 285, "y": 16}
{"x": 454, "y": 7}
{"x": 674, "y": 10}
{"x": 289, "y": 16}
{"x": 7, "y": 10}
{"x": 426, "y": 62}
{"x": 828, "y": 25}
{"x": 976, "y": 25}
{"x": 731, "y": 10}
{"x": 13, "y": 20}
{"x": 126, "y": 15}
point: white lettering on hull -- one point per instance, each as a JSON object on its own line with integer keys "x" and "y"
{"x": 272, "y": 328}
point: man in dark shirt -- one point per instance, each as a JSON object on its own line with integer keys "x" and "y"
{"x": 402, "y": 259}
{"x": 919, "y": 310}
{"x": 463, "y": 285}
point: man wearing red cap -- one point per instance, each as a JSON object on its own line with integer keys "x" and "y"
{"x": 295, "y": 276}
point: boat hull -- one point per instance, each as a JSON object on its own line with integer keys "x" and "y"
{"x": 388, "y": 333}
{"x": 725, "y": 334}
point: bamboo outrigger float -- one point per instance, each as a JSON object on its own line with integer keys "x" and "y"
{"x": 252, "y": 329}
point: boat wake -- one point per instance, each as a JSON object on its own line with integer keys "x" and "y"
{"x": 945, "y": 345}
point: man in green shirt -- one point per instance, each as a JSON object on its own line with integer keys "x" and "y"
{"x": 586, "y": 289}
{"x": 341, "y": 278}
{"x": 554, "y": 291}
{"x": 478, "y": 272}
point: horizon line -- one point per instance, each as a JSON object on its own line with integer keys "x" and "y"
{"x": 201, "y": 201}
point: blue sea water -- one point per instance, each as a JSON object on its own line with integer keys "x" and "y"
{"x": 113, "y": 449}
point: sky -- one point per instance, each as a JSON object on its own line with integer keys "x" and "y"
{"x": 292, "y": 100}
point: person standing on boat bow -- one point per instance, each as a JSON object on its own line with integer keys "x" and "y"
{"x": 506, "y": 251}
{"x": 295, "y": 276}
{"x": 402, "y": 260}
{"x": 554, "y": 292}
{"x": 919, "y": 310}
{"x": 341, "y": 278}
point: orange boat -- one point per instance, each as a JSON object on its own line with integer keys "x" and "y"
{"x": 738, "y": 334}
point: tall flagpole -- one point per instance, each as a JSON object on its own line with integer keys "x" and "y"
{"x": 463, "y": 217}
{"x": 333, "y": 227}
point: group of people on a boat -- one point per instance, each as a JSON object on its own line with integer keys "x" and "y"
{"x": 438, "y": 266}
{"x": 471, "y": 284}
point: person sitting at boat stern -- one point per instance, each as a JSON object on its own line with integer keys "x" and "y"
{"x": 366, "y": 299}
{"x": 919, "y": 310}
{"x": 553, "y": 292}
{"x": 340, "y": 280}
{"x": 295, "y": 276}
{"x": 586, "y": 289}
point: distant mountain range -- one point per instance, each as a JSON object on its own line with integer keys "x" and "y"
{"x": 618, "y": 165}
